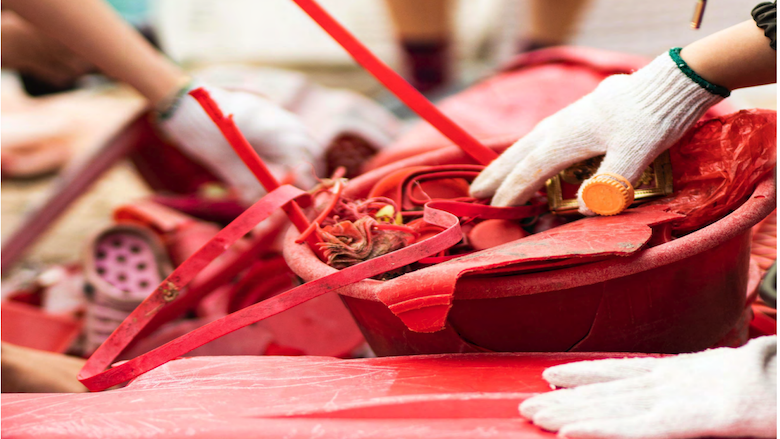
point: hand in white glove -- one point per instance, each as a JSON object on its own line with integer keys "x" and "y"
{"x": 277, "y": 135}
{"x": 630, "y": 118}
{"x": 721, "y": 392}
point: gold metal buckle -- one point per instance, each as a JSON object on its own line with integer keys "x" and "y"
{"x": 562, "y": 189}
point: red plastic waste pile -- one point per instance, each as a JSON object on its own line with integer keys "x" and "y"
{"x": 577, "y": 303}
{"x": 561, "y": 289}
{"x": 693, "y": 289}
{"x": 440, "y": 396}
{"x": 688, "y": 293}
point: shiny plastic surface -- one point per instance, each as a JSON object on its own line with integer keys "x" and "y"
{"x": 439, "y": 396}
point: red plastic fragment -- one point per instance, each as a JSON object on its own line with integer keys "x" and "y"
{"x": 718, "y": 163}
{"x": 422, "y": 299}
{"x": 93, "y": 375}
{"x": 495, "y": 232}
{"x": 30, "y": 326}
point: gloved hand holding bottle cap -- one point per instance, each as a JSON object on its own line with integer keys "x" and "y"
{"x": 631, "y": 119}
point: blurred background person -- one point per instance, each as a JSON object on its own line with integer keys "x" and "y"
{"x": 44, "y": 64}
{"x": 425, "y": 34}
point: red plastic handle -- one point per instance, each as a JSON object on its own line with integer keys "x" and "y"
{"x": 397, "y": 85}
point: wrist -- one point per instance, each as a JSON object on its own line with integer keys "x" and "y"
{"x": 715, "y": 89}
{"x": 167, "y": 105}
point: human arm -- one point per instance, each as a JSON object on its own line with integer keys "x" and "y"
{"x": 27, "y": 50}
{"x": 27, "y": 370}
{"x": 631, "y": 118}
{"x": 91, "y": 29}
{"x": 736, "y": 57}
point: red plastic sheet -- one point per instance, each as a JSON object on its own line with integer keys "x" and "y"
{"x": 437, "y": 396}
{"x": 717, "y": 164}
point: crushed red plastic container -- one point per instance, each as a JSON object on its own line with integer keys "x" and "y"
{"x": 682, "y": 295}
{"x": 29, "y": 326}
{"x": 676, "y": 295}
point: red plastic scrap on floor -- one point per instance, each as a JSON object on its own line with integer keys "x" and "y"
{"x": 438, "y": 396}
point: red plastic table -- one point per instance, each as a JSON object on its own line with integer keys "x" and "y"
{"x": 431, "y": 396}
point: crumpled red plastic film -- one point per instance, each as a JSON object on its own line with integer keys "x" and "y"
{"x": 718, "y": 163}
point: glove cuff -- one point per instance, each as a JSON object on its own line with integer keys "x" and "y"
{"x": 663, "y": 91}
{"x": 168, "y": 105}
{"x": 721, "y": 91}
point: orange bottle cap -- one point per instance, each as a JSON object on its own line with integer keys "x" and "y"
{"x": 608, "y": 194}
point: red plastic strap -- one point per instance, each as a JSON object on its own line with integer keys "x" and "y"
{"x": 397, "y": 85}
{"x": 472, "y": 210}
{"x": 463, "y": 209}
{"x": 169, "y": 288}
{"x": 251, "y": 159}
{"x": 95, "y": 377}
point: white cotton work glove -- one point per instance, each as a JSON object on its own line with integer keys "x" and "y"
{"x": 279, "y": 138}
{"x": 630, "y": 118}
{"x": 722, "y": 392}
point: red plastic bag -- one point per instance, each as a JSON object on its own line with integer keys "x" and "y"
{"x": 717, "y": 165}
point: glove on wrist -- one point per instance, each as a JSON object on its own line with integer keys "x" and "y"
{"x": 722, "y": 392}
{"x": 630, "y": 118}
{"x": 277, "y": 135}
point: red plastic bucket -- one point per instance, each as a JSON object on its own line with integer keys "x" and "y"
{"x": 681, "y": 296}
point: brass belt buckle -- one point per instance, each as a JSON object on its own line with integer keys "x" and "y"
{"x": 562, "y": 189}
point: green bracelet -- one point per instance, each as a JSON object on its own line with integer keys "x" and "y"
{"x": 710, "y": 87}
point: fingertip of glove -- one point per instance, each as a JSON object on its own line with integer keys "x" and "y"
{"x": 582, "y": 207}
{"x": 528, "y": 408}
{"x": 482, "y": 188}
{"x": 560, "y": 377}
{"x": 500, "y": 200}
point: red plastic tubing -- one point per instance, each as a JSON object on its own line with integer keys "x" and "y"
{"x": 397, "y": 85}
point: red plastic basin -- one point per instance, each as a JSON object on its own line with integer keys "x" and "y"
{"x": 681, "y": 296}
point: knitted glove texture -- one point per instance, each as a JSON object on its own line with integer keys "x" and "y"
{"x": 630, "y": 118}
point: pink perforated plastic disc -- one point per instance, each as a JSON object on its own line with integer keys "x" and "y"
{"x": 127, "y": 262}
